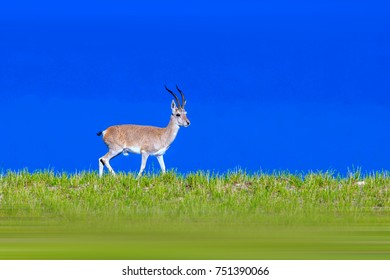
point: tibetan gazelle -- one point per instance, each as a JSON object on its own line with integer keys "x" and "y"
{"x": 144, "y": 140}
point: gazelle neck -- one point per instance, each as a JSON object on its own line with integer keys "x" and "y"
{"x": 171, "y": 130}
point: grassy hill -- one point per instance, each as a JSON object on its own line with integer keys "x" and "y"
{"x": 48, "y": 215}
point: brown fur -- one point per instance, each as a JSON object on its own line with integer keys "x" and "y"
{"x": 151, "y": 138}
{"x": 146, "y": 140}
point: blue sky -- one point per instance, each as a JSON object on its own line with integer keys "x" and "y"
{"x": 271, "y": 85}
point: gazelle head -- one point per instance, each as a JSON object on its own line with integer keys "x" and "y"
{"x": 178, "y": 112}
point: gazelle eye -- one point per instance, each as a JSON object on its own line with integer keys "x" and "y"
{"x": 177, "y": 115}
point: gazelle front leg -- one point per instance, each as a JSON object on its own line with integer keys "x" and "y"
{"x": 160, "y": 159}
{"x": 143, "y": 163}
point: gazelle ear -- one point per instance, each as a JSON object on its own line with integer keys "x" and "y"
{"x": 173, "y": 105}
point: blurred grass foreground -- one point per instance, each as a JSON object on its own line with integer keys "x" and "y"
{"x": 48, "y": 215}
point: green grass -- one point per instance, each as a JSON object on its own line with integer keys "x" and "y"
{"x": 48, "y": 215}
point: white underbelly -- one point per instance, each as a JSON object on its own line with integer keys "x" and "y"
{"x": 160, "y": 152}
{"x": 134, "y": 150}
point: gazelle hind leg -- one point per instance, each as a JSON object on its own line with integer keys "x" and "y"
{"x": 105, "y": 161}
{"x": 101, "y": 167}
